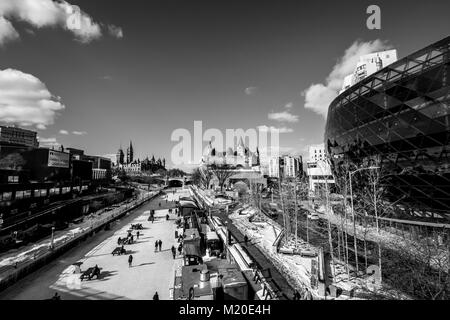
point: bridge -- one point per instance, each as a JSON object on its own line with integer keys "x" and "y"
{"x": 173, "y": 181}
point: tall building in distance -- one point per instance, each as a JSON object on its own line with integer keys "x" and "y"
{"x": 120, "y": 156}
{"x": 274, "y": 167}
{"x": 368, "y": 65}
{"x": 130, "y": 154}
{"x": 287, "y": 166}
{"x": 292, "y": 166}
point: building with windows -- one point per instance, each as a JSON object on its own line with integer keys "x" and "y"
{"x": 317, "y": 153}
{"x": 398, "y": 119}
{"x": 18, "y": 136}
{"x": 287, "y": 166}
{"x": 274, "y": 167}
{"x": 242, "y": 158}
{"x": 368, "y": 65}
{"x": 318, "y": 170}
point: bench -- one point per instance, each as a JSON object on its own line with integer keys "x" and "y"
{"x": 90, "y": 273}
{"x": 119, "y": 251}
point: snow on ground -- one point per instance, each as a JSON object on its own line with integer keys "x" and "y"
{"x": 30, "y": 251}
{"x": 296, "y": 268}
{"x": 389, "y": 240}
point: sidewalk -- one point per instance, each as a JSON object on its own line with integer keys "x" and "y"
{"x": 150, "y": 272}
{"x": 30, "y": 252}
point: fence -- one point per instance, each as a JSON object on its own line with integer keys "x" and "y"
{"x": 11, "y": 273}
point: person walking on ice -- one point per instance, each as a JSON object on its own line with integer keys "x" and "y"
{"x": 130, "y": 261}
{"x": 174, "y": 252}
{"x": 156, "y": 245}
{"x": 159, "y": 244}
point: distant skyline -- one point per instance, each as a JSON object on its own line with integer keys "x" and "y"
{"x": 138, "y": 70}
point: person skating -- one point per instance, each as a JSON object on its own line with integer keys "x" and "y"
{"x": 156, "y": 245}
{"x": 159, "y": 244}
{"x": 137, "y": 235}
{"x": 174, "y": 252}
{"x": 156, "y": 296}
{"x": 167, "y": 217}
{"x": 130, "y": 260}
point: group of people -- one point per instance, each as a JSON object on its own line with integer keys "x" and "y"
{"x": 158, "y": 245}
{"x": 129, "y": 239}
{"x": 174, "y": 251}
{"x": 306, "y": 295}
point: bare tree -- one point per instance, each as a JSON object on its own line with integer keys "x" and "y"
{"x": 202, "y": 177}
{"x": 420, "y": 268}
{"x": 341, "y": 175}
{"x": 222, "y": 172}
{"x": 370, "y": 202}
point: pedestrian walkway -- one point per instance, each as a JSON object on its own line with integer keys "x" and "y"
{"x": 150, "y": 271}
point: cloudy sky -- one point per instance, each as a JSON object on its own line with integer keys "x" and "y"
{"x": 138, "y": 70}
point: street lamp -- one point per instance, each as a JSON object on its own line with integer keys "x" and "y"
{"x": 350, "y": 174}
{"x": 52, "y": 242}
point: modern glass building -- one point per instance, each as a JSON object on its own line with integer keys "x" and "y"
{"x": 399, "y": 117}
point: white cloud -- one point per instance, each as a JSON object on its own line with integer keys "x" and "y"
{"x": 289, "y": 105}
{"x": 251, "y": 90}
{"x": 49, "y": 13}
{"x": 79, "y": 133}
{"x": 319, "y": 96}
{"x": 7, "y": 31}
{"x": 115, "y": 31}
{"x": 25, "y": 100}
{"x": 64, "y": 132}
{"x": 271, "y": 129}
{"x": 49, "y": 143}
{"x": 284, "y": 116}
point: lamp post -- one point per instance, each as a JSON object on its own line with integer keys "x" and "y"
{"x": 53, "y": 238}
{"x": 327, "y": 210}
{"x": 350, "y": 174}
